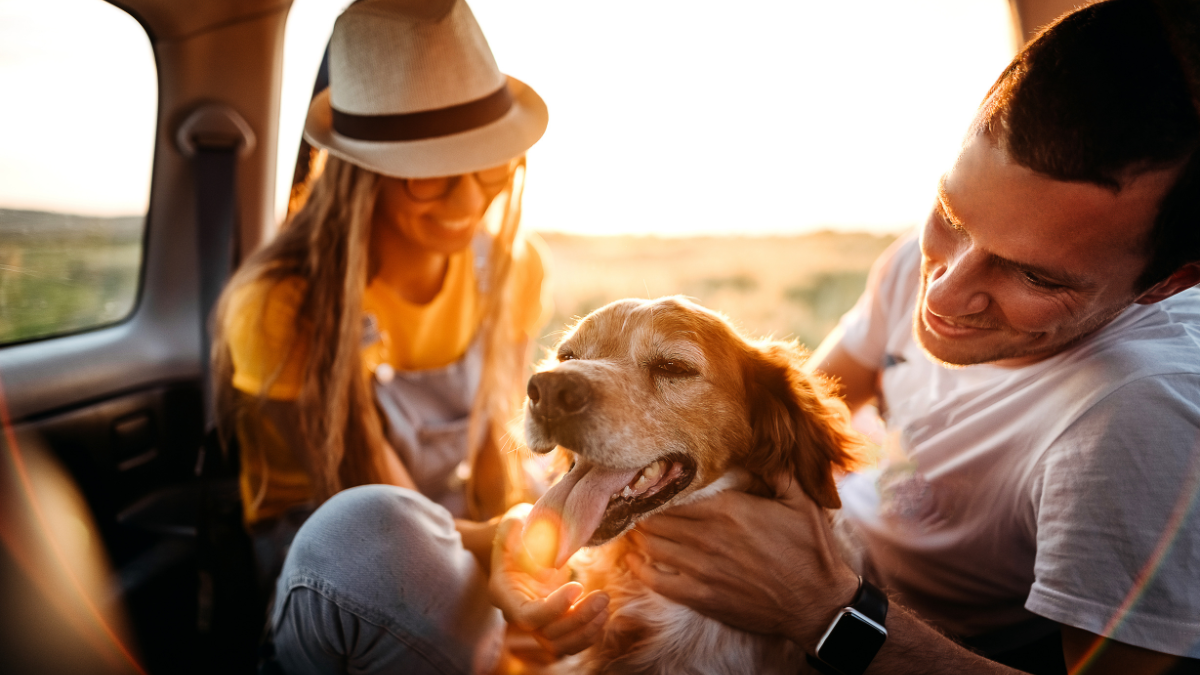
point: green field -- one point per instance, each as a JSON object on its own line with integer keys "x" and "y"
{"x": 61, "y": 273}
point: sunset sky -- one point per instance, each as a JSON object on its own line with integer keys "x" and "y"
{"x": 671, "y": 118}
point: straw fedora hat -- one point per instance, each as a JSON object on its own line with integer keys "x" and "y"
{"x": 414, "y": 92}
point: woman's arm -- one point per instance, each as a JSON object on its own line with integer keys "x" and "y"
{"x": 396, "y": 473}
{"x": 477, "y": 538}
{"x": 284, "y": 416}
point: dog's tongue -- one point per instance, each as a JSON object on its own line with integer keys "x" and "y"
{"x": 578, "y": 502}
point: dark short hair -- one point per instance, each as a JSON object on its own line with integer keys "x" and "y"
{"x": 1102, "y": 94}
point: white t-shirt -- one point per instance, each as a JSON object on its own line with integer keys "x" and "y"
{"x": 1066, "y": 489}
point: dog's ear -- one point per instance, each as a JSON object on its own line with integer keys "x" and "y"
{"x": 798, "y": 425}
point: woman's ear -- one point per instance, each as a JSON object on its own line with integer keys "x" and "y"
{"x": 798, "y": 426}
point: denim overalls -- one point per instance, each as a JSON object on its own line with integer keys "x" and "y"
{"x": 427, "y": 412}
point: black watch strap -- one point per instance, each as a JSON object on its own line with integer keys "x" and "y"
{"x": 871, "y": 601}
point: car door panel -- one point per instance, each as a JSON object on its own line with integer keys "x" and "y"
{"x": 121, "y": 407}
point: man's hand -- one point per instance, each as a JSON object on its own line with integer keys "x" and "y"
{"x": 540, "y": 600}
{"x": 762, "y": 565}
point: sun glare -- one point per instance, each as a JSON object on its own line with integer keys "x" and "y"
{"x": 768, "y": 117}
{"x": 541, "y": 541}
{"x": 669, "y": 118}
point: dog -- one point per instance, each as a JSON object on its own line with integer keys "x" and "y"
{"x": 659, "y": 403}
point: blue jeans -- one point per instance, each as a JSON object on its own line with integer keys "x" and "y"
{"x": 377, "y": 581}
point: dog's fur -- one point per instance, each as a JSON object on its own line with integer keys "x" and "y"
{"x": 638, "y": 381}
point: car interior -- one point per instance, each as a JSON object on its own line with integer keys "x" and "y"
{"x": 113, "y": 415}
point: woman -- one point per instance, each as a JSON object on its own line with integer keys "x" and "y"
{"x": 381, "y": 339}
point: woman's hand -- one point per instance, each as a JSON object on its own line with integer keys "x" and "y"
{"x": 539, "y": 600}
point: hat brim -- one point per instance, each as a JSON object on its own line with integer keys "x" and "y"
{"x": 481, "y": 148}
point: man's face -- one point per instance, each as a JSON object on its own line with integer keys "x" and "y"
{"x": 1017, "y": 267}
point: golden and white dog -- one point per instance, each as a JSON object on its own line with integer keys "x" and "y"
{"x": 658, "y": 403}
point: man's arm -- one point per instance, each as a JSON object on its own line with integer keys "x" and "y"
{"x": 1109, "y": 657}
{"x": 769, "y": 566}
{"x": 857, "y": 382}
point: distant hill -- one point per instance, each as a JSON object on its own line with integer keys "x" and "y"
{"x": 789, "y": 287}
{"x": 18, "y": 223}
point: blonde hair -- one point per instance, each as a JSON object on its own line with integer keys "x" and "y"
{"x": 326, "y": 243}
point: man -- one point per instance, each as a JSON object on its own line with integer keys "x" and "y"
{"x": 1036, "y": 356}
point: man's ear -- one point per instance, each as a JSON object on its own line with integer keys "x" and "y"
{"x": 1180, "y": 280}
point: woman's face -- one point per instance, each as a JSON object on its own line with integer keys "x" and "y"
{"x": 438, "y": 215}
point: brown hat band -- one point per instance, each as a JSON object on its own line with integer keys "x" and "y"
{"x": 426, "y": 123}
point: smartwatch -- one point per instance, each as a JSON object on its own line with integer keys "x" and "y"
{"x": 855, "y": 635}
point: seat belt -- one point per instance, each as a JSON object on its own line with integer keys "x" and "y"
{"x": 214, "y": 137}
{"x": 214, "y": 169}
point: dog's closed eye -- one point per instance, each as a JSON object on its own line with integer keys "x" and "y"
{"x": 672, "y": 368}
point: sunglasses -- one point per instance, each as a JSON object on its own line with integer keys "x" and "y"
{"x": 431, "y": 189}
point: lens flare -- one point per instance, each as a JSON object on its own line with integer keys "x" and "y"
{"x": 1184, "y": 506}
{"x": 541, "y": 540}
{"x": 48, "y": 524}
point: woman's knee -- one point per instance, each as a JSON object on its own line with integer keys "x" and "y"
{"x": 382, "y": 558}
{"x": 383, "y": 509}
{"x": 372, "y": 526}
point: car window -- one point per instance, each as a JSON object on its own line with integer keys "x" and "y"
{"x": 310, "y": 22}
{"x": 80, "y": 104}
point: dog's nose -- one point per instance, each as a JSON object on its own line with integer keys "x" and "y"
{"x": 557, "y": 394}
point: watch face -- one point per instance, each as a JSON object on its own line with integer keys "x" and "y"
{"x": 851, "y": 643}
